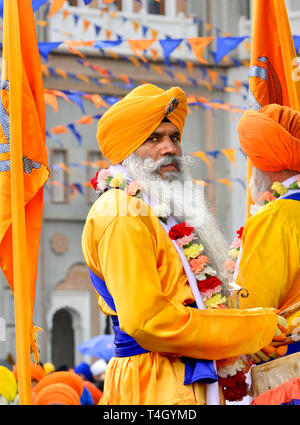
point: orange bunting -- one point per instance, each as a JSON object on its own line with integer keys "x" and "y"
{"x": 230, "y": 154}
{"x": 56, "y": 6}
{"x": 60, "y": 129}
{"x": 198, "y": 45}
{"x": 138, "y": 46}
{"x": 86, "y": 24}
{"x": 135, "y": 25}
{"x": 87, "y": 119}
{"x": 227, "y": 182}
{"x": 51, "y": 100}
{"x": 203, "y": 156}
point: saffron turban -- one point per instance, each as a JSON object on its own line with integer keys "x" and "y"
{"x": 67, "y": 378}
{"x": 37, "y": 372}
{"x": 57, "y": 393}
{"x": 128, "y": 123}
{"x": 8, "y": 384}
{"x": 270, "y": 137}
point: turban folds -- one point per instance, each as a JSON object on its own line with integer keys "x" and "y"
{"x": 129, "y": 122}
{"x": 57, "y": 393}
{"x": 270, "y": 137}
{"x": 67, "y": 378}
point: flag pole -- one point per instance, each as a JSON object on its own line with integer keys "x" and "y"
{"x": 21, "y": 272}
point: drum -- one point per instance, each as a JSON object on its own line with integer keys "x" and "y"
{"x": 269, "y": 375}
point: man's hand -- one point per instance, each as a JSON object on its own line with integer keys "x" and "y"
{"x": 268, "y": 352}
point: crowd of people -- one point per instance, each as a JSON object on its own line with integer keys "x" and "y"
{"x": 82, "y": 385}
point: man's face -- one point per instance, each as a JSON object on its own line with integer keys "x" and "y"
{"x": 164, "y": 141}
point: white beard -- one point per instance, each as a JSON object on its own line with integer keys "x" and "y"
{"x": 260, "y": 182}
{"x": 184, "y": 201}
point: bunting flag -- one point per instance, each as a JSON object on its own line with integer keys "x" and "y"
{"x": 56, "y": 5}
{"x": 138, "y": 46}
{"x": 46, "y": 47}
{"x": 198, "y": 44}
{"x": 225, "y": 45}
{"x": 168, "y": 46}
{"x": 273, "y": 62}
{"x": 23, "y": 173}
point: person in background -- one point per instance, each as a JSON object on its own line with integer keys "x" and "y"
{"x": 8, "y": 386}
{"x": 98, "y": 371}
{"x": 95, "y": 392}
{"x": 37, "y": 373}
{"x": 83, "y": 370}
{"x": 48, "y": 368}
{"x": 57, "y": 394}
{"x": 69, "y": 378}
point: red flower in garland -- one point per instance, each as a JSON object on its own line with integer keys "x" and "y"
{"x": 235, "y": 387}
{"x": 94, "y": 181}
{"x": 210, "y": 283}
{"x": 240, "y": 232}
{"x": 180, "y": 230}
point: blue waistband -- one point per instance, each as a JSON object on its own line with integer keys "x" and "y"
{"x": 126, "y": 346}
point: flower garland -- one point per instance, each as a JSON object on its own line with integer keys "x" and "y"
{"x": 279, "y": 190}
{"x": 231, "y": 372}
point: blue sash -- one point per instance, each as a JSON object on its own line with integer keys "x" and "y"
{"x": 125, "y": 345}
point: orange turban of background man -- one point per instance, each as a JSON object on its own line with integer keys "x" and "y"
{"x": 129, "y": 122}
{"x": 270, "y": 137}
{"x": 63, "y": 377}
{"x": 57, "y": 393}
{"x": 37, "y": 372}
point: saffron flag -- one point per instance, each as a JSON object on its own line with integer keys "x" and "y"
{"x": 23, "y": 172}
{"x": 273, "y": 64}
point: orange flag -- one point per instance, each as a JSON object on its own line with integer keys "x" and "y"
{"x": 23, "y": 172}
{"x": 273, "y": 60}
{"x": 56, "y": 6}
{"x": 138, "y": 46}
{"x": 198, "y": 45}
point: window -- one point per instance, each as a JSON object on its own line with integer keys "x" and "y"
{"x": 156, "y": 7}
{"x": 59, "y": 177}
{"x": 94, "y": 161}
{"x": 73, "y": 2}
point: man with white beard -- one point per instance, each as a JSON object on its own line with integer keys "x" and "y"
{"x": 155, "y": 258}
{"x": 269, "y": 257}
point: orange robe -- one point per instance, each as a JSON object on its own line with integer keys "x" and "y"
{"x": 143, "y": 272}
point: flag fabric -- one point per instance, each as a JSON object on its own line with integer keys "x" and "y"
{"x": 273, "y": 62}
{"x": 23, "y": 172}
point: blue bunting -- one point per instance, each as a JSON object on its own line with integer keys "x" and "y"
{"x": 107, "y": 44}
{"x": 168, "y": 47}
{"x": 75, "y": 132}
{"x": 76, "y": 98}
{"x": 46, "y": 47}
{"x": 225, "y": 45}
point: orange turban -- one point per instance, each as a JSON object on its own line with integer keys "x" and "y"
{"x": 37, "y": 372}
{"x": 270, "y": 137}
{"x": 95, "y": 392}
{"x": 129, "y": 122}
{"x": 57, "y": 393}
{"x": 67, "y": 378}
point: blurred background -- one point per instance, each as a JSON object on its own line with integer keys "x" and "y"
{"x": 89, "y": 61}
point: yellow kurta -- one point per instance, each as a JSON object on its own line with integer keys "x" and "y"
{"x": 144, "y": 275}
{"x": 270, "y": 262}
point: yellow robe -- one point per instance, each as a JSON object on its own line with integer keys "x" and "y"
{"x": 144, "y": 275}
{"x": 270, "y": 262}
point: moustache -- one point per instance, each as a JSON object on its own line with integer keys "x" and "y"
{"x": 155, "y": 166}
